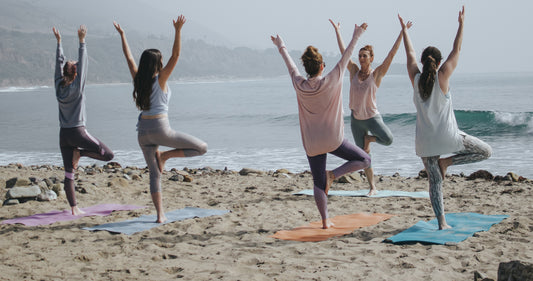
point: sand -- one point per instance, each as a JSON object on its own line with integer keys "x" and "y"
{"x": 237, "y": 246}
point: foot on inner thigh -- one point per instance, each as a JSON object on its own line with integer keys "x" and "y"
{"x": 76, "y": 155}
{"x": 330, "y": 177}
{"x": 160, "y": 161}
{"x": 443, "y": 166}
{"x": 368, "y": 140}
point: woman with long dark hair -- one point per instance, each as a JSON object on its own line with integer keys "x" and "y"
{"x": 74, "y": 140}
{"x": 437, "y": 132}
{"x": 321, "y": 119}
{"x": 152, "y": 94}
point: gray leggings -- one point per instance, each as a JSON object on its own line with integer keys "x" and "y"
{"x": 475, "y": 151}
{"x": 375, "y": 126}
{"x": 155, "y": 132}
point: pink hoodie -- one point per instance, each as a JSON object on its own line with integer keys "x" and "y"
{"x": 320, "y": 102}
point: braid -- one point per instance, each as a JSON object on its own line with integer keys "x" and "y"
{"x": 431, "y": 58}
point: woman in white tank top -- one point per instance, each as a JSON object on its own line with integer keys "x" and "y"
{"x": 437, "y": 132}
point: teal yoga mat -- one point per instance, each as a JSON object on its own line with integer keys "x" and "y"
{"x": 364, "y": 192}
{"x": 463, "y": 226}
{"x": 146, "y": 222}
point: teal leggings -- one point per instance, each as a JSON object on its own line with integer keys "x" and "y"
{"x": 374, "y": 125}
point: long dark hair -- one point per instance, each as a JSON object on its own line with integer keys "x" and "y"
{"x": 312, "y": 61}
{"x": 431, "y": 58}
{"x": 149, "y": 64}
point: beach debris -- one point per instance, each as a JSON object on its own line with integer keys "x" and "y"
{"x": 480, "y": 174}
{"x": 515, "y": 270}
{"x": 248, "y": 171}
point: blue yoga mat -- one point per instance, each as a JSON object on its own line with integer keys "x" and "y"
{"x": 364, "y": 192}
{"x": 146, "y": 222}
{"x": 463, "y": 226}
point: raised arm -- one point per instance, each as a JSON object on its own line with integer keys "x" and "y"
{"x": 412, "y": 67}
{"x": 384, "y": 67}
{"x": 164, "y": 74}
{"x": 352, "y": 67}
{"x": 126, "y": 49}
{"x": 82, "y": 56}
{"x": 447, "y": 68}
{"x": 291, "y": 66}
{"x": 346, "y": 55}
{"x": 60, "y": 58}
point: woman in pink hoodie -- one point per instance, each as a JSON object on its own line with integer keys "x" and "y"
{"x": 321, "y": 117}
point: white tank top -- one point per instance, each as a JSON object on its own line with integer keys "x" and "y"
{"x": 437, "y": 132}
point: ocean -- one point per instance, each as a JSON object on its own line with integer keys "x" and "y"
{"x": 254, "y": 123}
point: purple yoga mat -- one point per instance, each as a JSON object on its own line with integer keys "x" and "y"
{"x": 66, "y": 215}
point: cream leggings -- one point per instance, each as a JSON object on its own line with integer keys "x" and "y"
{"x": 155, "y": 132}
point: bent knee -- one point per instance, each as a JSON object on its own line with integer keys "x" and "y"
{"x": 487, "y": 152}
{"x": 109, "y": 156}
{"x": 202, "y": 149}
{"x": 367, "y": 161}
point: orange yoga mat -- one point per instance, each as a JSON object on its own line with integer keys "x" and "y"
{"x": 343, "y": 225}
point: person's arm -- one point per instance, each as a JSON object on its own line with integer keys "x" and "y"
{"x": 352, "y": 67}
{"x": 291, "y": 66}
{"x": 447, "y": 68}
{"x": 384, "y": 67}
{"x": 126, "y": 49}
{"x": 164, "y": 74}
{"x": 412, "y": 67}
{"x": 347, "y": 54}
{"x": 60, "y": 58}
{"x": 82, "y": 56}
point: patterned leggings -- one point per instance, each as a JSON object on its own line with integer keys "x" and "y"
{"x": 475, "y": 150}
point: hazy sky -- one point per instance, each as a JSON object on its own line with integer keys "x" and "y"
{"x": 497, "y": 35}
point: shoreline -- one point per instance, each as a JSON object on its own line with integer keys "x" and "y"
{"x": 238, "y": 246}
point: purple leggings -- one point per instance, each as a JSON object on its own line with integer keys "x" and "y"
{"x": 357, "y": 159}
{"x": 89, "y": 146}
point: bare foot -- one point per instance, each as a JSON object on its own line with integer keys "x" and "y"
{"x": 373, "y": 191}
{"x": 327, "y": 224}
{"x": 445, "y": 226}
{"x": 77, "y": 211}
{"x": 443, "y": 167}
{"x": 330, "y": 177}
{"x": 160, "y": 162}
{"x": 75, "y": 158}
{"x": 161, "y": 219}
{"x": 368, "y": 140}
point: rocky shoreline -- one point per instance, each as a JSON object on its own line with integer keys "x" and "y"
{"x": 238, "y": 246}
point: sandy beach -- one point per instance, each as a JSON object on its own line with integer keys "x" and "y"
{"x": 238, "y": 246}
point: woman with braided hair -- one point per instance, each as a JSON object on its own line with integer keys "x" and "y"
{"x": 437, "y": 132}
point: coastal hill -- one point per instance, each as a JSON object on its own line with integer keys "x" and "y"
{"x": 27, "y": 48}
